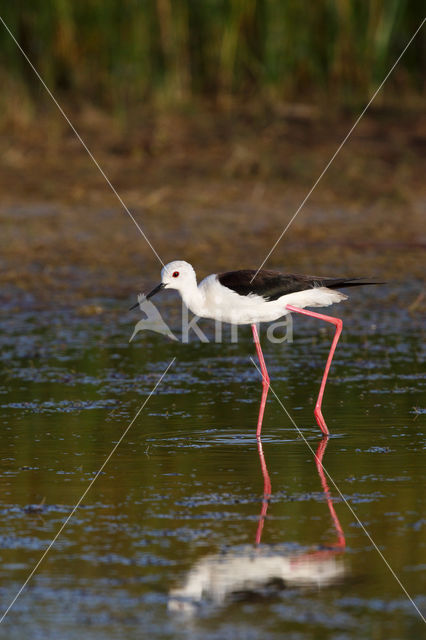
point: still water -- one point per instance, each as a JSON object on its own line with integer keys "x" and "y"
{"x": 193, "y": 530}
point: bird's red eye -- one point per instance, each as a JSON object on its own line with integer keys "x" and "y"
{"x": 175, "y": 274}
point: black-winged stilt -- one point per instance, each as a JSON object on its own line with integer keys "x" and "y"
{"x": 249, "y": 297}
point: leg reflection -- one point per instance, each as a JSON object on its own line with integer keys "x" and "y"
{"x": 340, "y": 543}
{"x": 266, "y": 492}
{"x": 238, "y": 573}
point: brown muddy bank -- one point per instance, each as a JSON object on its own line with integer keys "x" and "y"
{"x": 215, "y": 189}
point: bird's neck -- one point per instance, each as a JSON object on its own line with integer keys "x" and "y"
{"x": 194, "y": 299}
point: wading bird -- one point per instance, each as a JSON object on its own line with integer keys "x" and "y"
{"x": 249, "y": 297}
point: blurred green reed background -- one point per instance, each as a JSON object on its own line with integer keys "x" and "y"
{"x": 117, "y": 53}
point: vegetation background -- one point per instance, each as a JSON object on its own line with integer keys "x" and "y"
{"x": 207, "y": 115}
{"x": 117, "y": 54}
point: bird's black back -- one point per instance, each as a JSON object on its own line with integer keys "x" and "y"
{"x": 271, "y": 285}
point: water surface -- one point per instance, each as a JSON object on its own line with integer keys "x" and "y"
{"x": 176, "y": 539}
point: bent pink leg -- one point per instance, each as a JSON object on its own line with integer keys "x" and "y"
{"x": 265, "y": 380}
{"x": 338, "y": 324}
{"x": 266, "y": 492}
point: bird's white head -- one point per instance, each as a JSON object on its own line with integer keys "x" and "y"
{"x": 176, "y": 275}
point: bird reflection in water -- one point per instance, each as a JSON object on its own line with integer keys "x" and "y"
{"x": 262, "y": 569}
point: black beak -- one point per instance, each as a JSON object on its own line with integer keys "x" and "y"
{"x": 155, "y": 290}
{"x": 150, "y": 294}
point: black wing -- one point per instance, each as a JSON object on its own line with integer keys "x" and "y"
{"x": 271, "y": 285}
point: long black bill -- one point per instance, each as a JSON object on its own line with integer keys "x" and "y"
{"x": 150, "y": 294}
{"x": 155, "y": 290}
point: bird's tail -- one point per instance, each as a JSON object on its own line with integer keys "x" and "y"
{"x": 342, "y": 283}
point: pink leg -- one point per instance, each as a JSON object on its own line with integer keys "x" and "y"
{"x": 265, "y": 380}
{"x": 266, "y": 492}
{"x": 338, "y": 324}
